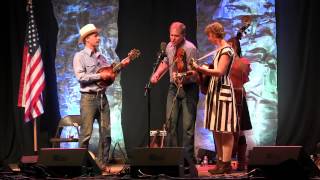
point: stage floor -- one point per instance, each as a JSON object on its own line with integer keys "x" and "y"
{"x": 118, "y": 169}
{"x": 122, "y": 171}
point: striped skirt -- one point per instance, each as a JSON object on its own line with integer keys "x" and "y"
{"x": 220, "y": 106}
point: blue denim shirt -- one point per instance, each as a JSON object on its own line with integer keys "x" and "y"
{"x": 86, "y": 63}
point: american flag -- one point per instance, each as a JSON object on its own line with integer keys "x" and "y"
{"x": 32, "y": 79}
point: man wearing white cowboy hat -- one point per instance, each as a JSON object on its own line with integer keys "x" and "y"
{"x": 87, "y": 30}
{"x": 93, "y": 104}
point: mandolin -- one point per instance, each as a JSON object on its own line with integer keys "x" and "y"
{"x": 115, "y": 68}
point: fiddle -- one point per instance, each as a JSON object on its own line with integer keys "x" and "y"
{"x": 179, "y": 59}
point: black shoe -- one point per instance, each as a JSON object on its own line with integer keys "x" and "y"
{"x": 224, "y": 168}
{"x": 218, "y": 165}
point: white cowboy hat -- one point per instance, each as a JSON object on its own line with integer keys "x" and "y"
{"x": 86, "y": 30}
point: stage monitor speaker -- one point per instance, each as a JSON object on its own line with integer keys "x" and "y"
{"x": 168, "y": 161}
{"x": 281, "y": 162}
{"x": 59, "y": 162}
{"x": 29, "y": 159}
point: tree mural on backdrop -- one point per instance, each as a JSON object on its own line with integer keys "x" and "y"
{"x": 71, "y": 15}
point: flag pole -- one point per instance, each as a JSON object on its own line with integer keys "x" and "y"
{"x": 29, "y": 2}
{"x": 31, "y": 89}
{"x": 35, "y": 136}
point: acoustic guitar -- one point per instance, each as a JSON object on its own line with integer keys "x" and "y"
{"x": 115, "y": 68}
{"x": 204, "y": 80}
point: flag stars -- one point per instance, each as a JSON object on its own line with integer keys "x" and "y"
{"x": 32, "y": 37}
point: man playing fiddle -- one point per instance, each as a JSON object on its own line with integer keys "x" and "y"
{"x": 183, "y": 90}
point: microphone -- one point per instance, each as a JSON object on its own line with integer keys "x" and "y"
{"x": 162, "y": 52}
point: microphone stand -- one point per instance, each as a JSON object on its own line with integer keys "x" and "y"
{"x": 168, "y": 122}
{"x": 147, "y": 90}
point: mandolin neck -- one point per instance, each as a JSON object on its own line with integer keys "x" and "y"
{"x": 117, "y": 67}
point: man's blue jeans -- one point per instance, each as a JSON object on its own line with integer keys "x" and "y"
{"x": 96, "y": 106}
{"x": 183, "y": 109}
